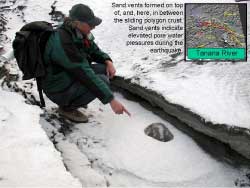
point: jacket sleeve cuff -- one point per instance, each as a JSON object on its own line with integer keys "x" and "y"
{"x": 108, "y": 99}
{"x": 108, "y": 58}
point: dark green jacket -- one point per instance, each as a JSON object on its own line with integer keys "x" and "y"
{"x": 67, "y": 57}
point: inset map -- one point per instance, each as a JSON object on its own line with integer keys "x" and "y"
{"x": 215, "y": 26}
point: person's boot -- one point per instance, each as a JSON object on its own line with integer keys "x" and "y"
{"x": 73, "y": 115}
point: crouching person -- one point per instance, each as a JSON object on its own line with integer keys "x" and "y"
{"x": 72, "y": 81}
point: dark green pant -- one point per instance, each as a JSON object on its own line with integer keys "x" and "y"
{"x": 74, "y": 96}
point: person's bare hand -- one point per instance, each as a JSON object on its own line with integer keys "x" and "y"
{"x": 110, "y": 69}
{"x": 118, "y": 108}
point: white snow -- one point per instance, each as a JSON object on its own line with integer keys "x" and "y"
{"x": 118, "y": 144}
{"x": 28, "y": 158}
{"x": 115, "y": 144}
{"x": 79, "y": 165}
{"x": 218, "y": 92}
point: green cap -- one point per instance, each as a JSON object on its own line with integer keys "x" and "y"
{"x": 83, "y": 13}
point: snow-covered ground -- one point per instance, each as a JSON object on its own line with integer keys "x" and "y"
{"x": 120, "y": 152}
{"x": 117, "y": 145}
{"x": 28, "y": 158}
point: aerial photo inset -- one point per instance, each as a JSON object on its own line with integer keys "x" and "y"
{"x": 215, "y": 26}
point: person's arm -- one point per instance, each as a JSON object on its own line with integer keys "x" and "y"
{"x": 97, "y": 55}
{"x": 67, "y": 55}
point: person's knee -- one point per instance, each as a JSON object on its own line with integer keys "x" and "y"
{"x": 99, "y": 68}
